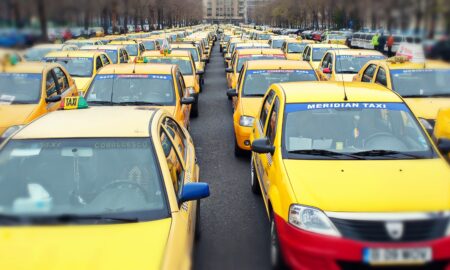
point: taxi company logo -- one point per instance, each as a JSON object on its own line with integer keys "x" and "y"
{"x": 395, "y": 229}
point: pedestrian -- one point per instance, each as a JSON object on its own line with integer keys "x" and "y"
{"x": 381, "y": 43}
{"x": 390, "y": 43}
{"x": 375, "y": 42}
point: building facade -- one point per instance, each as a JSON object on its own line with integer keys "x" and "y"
{"x": 225, "y": 11}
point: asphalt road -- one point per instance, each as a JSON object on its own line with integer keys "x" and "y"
{"x": 234, "y": 225}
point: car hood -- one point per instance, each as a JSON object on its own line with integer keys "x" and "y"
{"x": 344, "y": 77}
{"x": 427, "y": 107}
{"x": 293, "y": 56}
{"x": 189, "y": 80}
{"x": 12, "y": 115}
{"x": 371, "y": 185}
{"x": 82, "y": 83}
{"x": 251, "y": 106}
{"x": 119, "y": 246}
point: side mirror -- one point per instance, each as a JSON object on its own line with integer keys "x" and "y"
{"x": 444, "y": 146}
{"x": 229, "y": 70}
{"x": 262, "y": 146}
{"x": 194, "y": 191}
{"x": 188, "y": 100}
{"x": 326, "y": 70}
{"x": 53, "y": 99}
{"x": 200, "y": 72}
{"x": 204, "y": 59}
{"x": 232, "y": 93}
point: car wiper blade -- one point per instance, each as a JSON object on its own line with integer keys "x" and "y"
{"x": 322, "y": 152}
{"x": 440, "y": 95}
{"x": 254, "y": 95}
{"x": 100, "y": 102}
{"x": 74, "y": 217}
{"x": 382, "y": 152}
{"x": 347, "y": 72}
{"x": 138, "y": 103}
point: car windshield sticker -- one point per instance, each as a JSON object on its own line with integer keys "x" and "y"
{"x": 345, "y": 105}
{"x": 397, "y": 72}
{"x": 297, "y": 71}
{"x": 132, "y": 76}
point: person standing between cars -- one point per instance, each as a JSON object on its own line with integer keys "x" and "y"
{"x": 381, "y": 43}
{"x": 390, "y": 43}
{"x": 375, "y": 41}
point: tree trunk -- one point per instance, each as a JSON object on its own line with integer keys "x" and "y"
{"x": 42, "y": 19}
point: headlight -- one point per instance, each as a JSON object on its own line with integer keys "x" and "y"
{"x": 426, "y": 124}
{"x": 246, "y": 121}
{"x": 191, "y": 90}
{"x": 311, "y": 219}
{"x": 10, "y": 131}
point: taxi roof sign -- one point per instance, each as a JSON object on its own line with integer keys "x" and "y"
{"x": 414, "y": 52}
{"x": 73, "y": 103}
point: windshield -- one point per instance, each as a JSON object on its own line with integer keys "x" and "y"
{"x": 256, "y": 82}
{"x": 318, "y": 53}
{"x": 352, "y": 64}
{"x": 264, "y": 37}
{"x": 421, "y": 82}
{"x": 76, "y": 66}
{"x": 80, "y": 44}
{"x": 112, "y": 55}
{"x": 277, "y": 43}
{"x": 296, "y": 47}
{"x": 193, "y": 51}
{"x": 354, "y": 128}
{"x": 109, "y": 177}
{"x": 19, "y": 88}
{"x": 146, "y": 88}
{"x": 183, "y": 63}
{"x": 37, "y": 54}
{"x": 149, "y": 45}
{"x": 132, "y": 49}
{"x": 247, "y": 57}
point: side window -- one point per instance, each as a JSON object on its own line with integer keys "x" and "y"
{"x": 368, "y": 73}
{"x": 62, "y": 79}
{"x": 180, "y": 85}
{"x": 381, "y": 77}
{"x": 306, "y": 53}
{"x": 325, "y": 62}
{"x": 266, "y": 107}
{"x": 51, "y": 87}
{"x": 98, "y": 63}
{"x": 272, "y": 123}
{"x": 105, "y": 59}
{"x": 238, "y": 84}
{"x": 177, "y": 136}
{"x": 173, "y": 161}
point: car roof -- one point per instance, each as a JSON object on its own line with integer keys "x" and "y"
{"x": 326, "y": 45}
{"x": 49, "y": 46}
{"x": 106, "y": 122}
{"x": 277, "y": 64}
{"x": 101, "y": 47}
{"x": 259, "y": 51}
{"x": 428, "y": 64}
{"x": 29, "y": 67}
{"x": 122, "y": 42}
{"x": 172, "y": 54}
{"x": 356, "y": 52}
{"x": 298, "y": 92}
{"x": 69, "y": 54}
{"x": 137, "y": 69}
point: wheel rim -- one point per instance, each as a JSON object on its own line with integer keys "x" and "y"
{"x": 273, "y": 244}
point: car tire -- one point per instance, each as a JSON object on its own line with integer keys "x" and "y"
{"x": 194, "y": 109}
{"x": 276, "y": 258}
{"x": 238, "y": 152}
{"x": 198, "y": 230}
{"x": 254, "y": 182}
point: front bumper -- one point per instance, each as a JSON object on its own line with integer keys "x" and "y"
{"x": 242, "y": 136}
{"x": 304, "y": 250}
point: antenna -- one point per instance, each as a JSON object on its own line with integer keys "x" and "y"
{"x": 342, "y": 74}
{"x": 112, "y": 87}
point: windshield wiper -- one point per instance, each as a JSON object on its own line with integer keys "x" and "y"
{"x": 381, "y": 152}
{"x": 426, "y": 96}
{"x": 74, "y": 217}
{"x": 347, "y": 72}
{"x": 322, "y": 152}
{"x": 138, "y": 103}
{"x": 440, "y": 95}
{"x": 100, "y": 102}
{"x": 253, "y": 95}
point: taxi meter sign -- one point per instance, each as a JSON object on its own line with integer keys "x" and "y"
{"x": 414, "y": 52}
{"x": 73, "y": 103}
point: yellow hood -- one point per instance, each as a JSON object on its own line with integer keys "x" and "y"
{"x": 82, "y": 83}
{"x": 251, "y": 105}
{"x": 344, "y": 77}
{"x": 427, "y": 107}
{"x": 12, "y": 115}
{"x": 371, "y": 185}
{"x": 169, "y": 109}
{"x": 293, "y": 56}
{"x": 108, "y": 247}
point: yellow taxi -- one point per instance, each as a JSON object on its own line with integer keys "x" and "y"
{"x": 121, "y": 191}
{"x": 37, "y": 52}
{"x": 195, "y": 52}
{"x": 349, "y": 178}
{"x": 243, "y": 55}
{"x": 81, "y": 65}
{"x": 155, "y": 85}
{"x": 116, "y": 53}
{"x": 83, "y": 42}
{"x": 150, "y": 44}
{"x": 256, "y": 77}
{"x": 441, "y": 132}
{"x": 342, "y": 65}
{"x": 134, "y": 48}
{"x": 244, "y": 44}
{"x": 33, "y": 89}
{"x": 335, "y": 38}
{"x": 424, "y": 86}
{"x": 293, "y": 48}
{"x": 313, "y": 53}
{"x": 186, "y": 64}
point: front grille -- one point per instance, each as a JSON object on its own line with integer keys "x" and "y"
{"x": 375, "y": 231}
{"x": 438, "y": 265}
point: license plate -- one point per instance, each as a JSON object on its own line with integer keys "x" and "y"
{"x": 397, "y": 255}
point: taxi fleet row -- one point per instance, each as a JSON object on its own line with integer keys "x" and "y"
{"x": 117, "y": 178}
{"x": 350, "y": 178}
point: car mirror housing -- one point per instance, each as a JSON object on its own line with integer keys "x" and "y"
{"x": 188, "y": 100}
{"x": 53, "y": 99}
{"x": 262, "y": 146}
{"x": 232, "y": 93}
{"x": 194, "y": 191}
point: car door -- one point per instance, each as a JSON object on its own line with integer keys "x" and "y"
{"x": 381, "y": 78}
{"x": 182, "y": 110}
{"x": 98, "y": 64}
{"x": 52, "y": 89}
{"x": 368, "y": 73}
{"x": 327, "y": 62}
{"x": 259, "y": 131}
{"x": 105, "y": 59}
{"x": 66, "y": 88}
